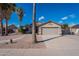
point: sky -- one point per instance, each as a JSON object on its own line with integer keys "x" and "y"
{"x": 27, "y": 18}
{"x": 62, "y": 13}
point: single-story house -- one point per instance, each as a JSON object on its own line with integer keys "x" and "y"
{"x": 28, "y": 29}
{"x": 75, "y": 29}
{"x": 12, "y": 28}
{"x": 49, "y": 28}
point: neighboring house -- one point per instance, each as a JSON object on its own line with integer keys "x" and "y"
{"x": 49, "y": 28}
{"x": 12, "y": 28}
{"x": 28, "y": 29}
{"x": 75, "y": 29}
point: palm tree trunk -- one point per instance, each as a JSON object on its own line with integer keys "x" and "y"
{"x": 6, "y": 28}
{"x": 20, "y": 24}
{"x": 34, "y": 28}
{"x": 1, "y": 28}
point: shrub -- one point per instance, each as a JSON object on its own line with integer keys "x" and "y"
{"x": 21, "y": 30}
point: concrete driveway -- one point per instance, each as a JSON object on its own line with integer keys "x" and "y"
{"x": 63, "y": 42}
{"x": 53, "y": 46}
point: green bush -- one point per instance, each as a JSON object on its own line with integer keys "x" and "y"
{"x": 21, "y": 30}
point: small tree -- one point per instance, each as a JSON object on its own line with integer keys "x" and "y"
{"x": 65, "y": 26}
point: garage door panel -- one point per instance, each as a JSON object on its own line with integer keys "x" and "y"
{"x": 50, "y": 31}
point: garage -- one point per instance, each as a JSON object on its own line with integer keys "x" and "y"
{"x": 50, "y": 28}
{"x": 75, "y": 29}
{"x": 50, "y": 31}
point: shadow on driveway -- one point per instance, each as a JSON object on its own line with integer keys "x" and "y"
{"x": 49, "y": 39}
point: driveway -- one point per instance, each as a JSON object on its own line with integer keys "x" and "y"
{"x": 49, "y": 46}
{"x": 63, "y": 42}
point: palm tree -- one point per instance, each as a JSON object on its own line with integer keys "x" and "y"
{"x": 20, "y": 13}
{"x": 7, "y": 17}
{"x": 9, "y": 8}
{"x": 1, "y": 25}
{"x": 1, "y": 18}
{"x": 34, "y": 25}
{"x": 6, "y": 10}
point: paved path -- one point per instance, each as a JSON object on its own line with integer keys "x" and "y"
{"x": 57, "y": 46}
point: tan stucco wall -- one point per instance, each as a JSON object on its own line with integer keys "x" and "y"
{"x": 73, "y": 30}
{"x": 49, "y": 25}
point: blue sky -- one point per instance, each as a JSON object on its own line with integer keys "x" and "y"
{"x": 57, "y": 12}
{"x": 27, "y": 18}
{"x": 60, "y": 13}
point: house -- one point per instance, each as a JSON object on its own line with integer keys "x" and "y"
{"x": 28, "y": 29}
{"x": 49, "y": 28}
{"x": 75, "y": 29}
{"x": 12, "y": 28}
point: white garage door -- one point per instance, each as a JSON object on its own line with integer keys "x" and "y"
{"x": 50, "y": 31}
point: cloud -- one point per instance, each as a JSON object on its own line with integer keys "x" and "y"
{"x": 69, "y": 16}
{"x": 41, "y": 18}
{"x": 64, "y": 18}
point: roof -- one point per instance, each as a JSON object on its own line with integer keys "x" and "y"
{"x": 75, "y": 26}
{"x": 49, "y": 22}
{"x": 12, "y": 26}
{"x": 38, "y": 23}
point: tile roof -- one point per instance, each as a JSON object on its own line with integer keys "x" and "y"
{"x": 75, "y": 26}
{"x": 49, "y": 22}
